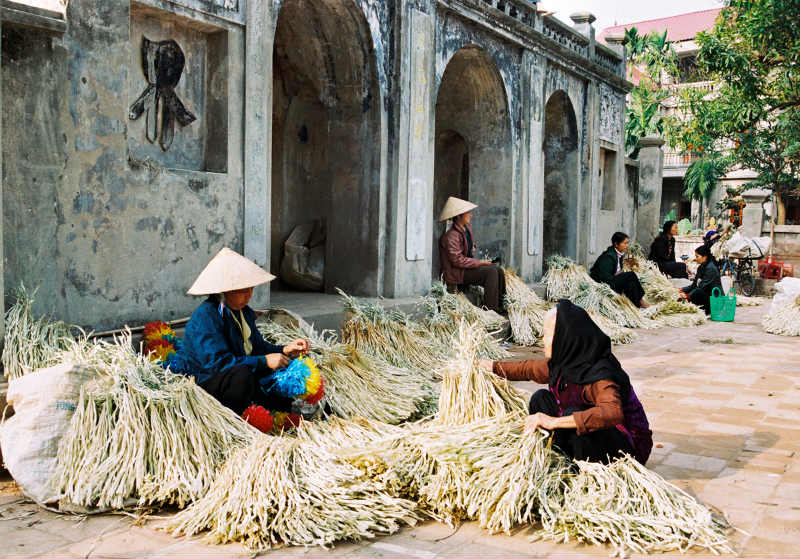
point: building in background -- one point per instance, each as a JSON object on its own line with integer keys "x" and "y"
{"x": 681, "y": 32}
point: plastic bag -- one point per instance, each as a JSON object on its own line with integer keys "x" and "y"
{"x": 788, "y": 289}
{"x": 44, "y": 402}
{"x": 303, "y": 264}
{"x": 738, "y": 244}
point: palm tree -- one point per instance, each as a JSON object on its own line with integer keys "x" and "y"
{"x": 702, "y": 177}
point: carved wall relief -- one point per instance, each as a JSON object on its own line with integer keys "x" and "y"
{"x": 610, "y": 114}
{"x": 162, "y": 64}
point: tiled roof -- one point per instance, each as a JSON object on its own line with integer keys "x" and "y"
{"x": 682, "y": 27}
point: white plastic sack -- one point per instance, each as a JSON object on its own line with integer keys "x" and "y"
{"x": 738, "y": 244}
{"x": 727, "y": 283}
{"x": 303, "y": 263}
{"x": 44, "y": 402}
{"x": 788, "y": 289}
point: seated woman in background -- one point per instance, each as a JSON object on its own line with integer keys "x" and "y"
{"x": 608, "y": 269}
{"x": 222, "y": 348}
{"x": 662, "y": 252}
{"x": 705, "y": 280}
{"x": 590, "y": 405}
{"x": 456, "y": 257}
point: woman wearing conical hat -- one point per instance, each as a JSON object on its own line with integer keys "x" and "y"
{"x": 456, "y": 249}
{"x": 222, "y": 348}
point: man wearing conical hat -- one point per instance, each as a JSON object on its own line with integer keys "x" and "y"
{"x": 222, "y": 348}
{"x": 459, "y": 268}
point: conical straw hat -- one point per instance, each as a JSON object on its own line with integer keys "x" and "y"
{"x": 455, "y": 206}
{"x": 229, "y": 271}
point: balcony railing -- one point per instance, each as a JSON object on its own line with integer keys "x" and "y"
{"x": 706, "y": 86}
{"x": 517, "y": 9}
{"x": 677, "y": 159}
{"x": 565, "y": 36}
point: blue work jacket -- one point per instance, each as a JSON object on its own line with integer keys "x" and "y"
{"x": 213, "y": 343}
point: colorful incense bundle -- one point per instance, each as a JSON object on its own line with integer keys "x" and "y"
{"x": 160, "y": 342}
{"x": 301, "y": 379}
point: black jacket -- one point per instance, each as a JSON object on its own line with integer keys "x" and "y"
{"x": 605, "y": 267}
{"x": 662, "y": 249}
{"x": 706, "y": 279}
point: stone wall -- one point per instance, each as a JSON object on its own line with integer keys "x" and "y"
{"x": 109, "y": 229}
{"x": 363, "y": 113}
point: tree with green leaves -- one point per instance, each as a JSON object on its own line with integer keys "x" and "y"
{"x": 651, "y": 59}
{"x": 702, "y": 178}
{"x": 751, "y": 120}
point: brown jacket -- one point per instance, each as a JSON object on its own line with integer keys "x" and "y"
{"x": 603, "y": 394}
{"x": 453, "y": 255}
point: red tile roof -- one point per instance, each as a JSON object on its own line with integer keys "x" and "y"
{"x": 682, "y": 27}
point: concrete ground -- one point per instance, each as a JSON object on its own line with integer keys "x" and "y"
{"x": 724, "y": 404}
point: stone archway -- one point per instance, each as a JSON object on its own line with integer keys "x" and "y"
{"x": 561, "y": 178}
{"x": 326, "y": 137}
{"x": 474, "y": 150}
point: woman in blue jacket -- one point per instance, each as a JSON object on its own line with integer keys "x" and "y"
{"x": 222, "y": 347}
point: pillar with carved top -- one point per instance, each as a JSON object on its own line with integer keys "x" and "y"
{"x": 651, "y": 177}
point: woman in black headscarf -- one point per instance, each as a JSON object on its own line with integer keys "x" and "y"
{"x": 590, "y": 405}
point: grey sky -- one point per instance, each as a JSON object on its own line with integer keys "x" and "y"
{"x": 625, "y": 11}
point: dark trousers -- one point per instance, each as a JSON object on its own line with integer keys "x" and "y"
{"x": 493, "y": 281}
{"x": 702, "y": 300}
{"x": 674, "y": 269}
{"x": 597, "y": 446}
{"x": 627, "y": 283}
{"x": 238, "y": 387}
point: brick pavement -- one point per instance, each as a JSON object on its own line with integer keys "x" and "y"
{"x": 726, "y": 418}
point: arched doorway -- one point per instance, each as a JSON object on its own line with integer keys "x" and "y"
{"x": 326, "y": 137}
{"x": 560, "y": 215}
{"x": 473, "y": 156}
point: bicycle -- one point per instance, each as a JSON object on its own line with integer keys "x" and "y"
{"x": 743, "y": 270}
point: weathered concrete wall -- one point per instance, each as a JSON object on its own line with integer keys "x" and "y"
{"x": 787, "y": 244}
{"x": 108, "y": 236}
{"x": 305, "y": 109}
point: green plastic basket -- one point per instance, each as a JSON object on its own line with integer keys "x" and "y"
{"x": 723, "y": 307}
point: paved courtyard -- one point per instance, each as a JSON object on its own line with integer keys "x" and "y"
{"x": 724, "y": 404}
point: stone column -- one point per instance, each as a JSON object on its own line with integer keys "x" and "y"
{"x": 259, "y": 38}
{"x": 582, "y": 23}
{"x": 529, "y": 251}
{"x": 651, "y": 178}
{"x": 410, "y": 233}
{"x": 753, "y": 212}
{"x": 617, "y": 44}
{"x": 696, "y": 215}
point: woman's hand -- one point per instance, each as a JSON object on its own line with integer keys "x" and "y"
{"x": 276, "y": 361}
{"x": 487, "y": 364}
{"x": 486, "y": 263}
{"x": 537, "y": 420}
{"x": 300, "y": 345}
